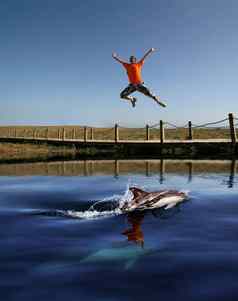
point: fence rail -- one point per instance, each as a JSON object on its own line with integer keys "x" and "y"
{"x": 159, "y": 132}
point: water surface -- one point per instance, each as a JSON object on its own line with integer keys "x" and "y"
{"x": 186, "y": 253}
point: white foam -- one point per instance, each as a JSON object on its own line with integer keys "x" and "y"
{"x": 92, "y": 213}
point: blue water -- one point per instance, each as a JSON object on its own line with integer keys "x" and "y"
{"x": 187, "y": 253}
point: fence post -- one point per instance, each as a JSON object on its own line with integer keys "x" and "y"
{"x": 15, "y": 132}
{"x": 34, "y": 133}
{"x": 92, "y": 134}
{"x": 85, "y": 133}
{"x": 161, "y": 131}
{"x": 232, "y": 128}
{"x": 147, "y": 132}
{"x": 47, "y": 133}
{"x": 116, "y": 133}
{"x": 190, "y": 130}
{"x": 74, "y": 133}
{"x": 63, "y": 134}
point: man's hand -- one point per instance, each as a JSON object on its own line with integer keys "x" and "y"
{"x": 114, "y": 55}
{"x": 147, "y": 53}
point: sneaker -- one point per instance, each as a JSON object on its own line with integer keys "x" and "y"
{"x": 159, "y": 102}
{"x": 133, "y": 102}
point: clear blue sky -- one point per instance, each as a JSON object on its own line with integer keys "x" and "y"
{"x": 56, "y": 65}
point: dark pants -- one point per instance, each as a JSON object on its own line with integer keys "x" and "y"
{"x": 132, "y": 88}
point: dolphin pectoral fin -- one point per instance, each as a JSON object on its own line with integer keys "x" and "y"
{"x": 129, "y": 265}
{"x": 171, "y": 205}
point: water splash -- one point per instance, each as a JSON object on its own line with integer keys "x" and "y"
{"x": 88, "y": 214}
{"x": 113, "y": 206}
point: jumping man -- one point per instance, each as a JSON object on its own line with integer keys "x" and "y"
{"x": 136, "y": 83}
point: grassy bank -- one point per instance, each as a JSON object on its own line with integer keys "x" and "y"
{"x": 27, "y": 151}
{"x": 77, "y": 132}
{"x": 40, "y": 151}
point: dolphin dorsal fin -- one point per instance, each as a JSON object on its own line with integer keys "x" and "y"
{"x": 137, "y": 191}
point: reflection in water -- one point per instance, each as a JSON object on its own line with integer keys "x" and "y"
{"x": 230, "y": 182}
{"x": 117, "y": 168}
{"x": 162, "y": 168}
{"x": 134, "y": 233}
{"x": 195, "y": 240}
{"x": 135, "y": 219}
{"x": 190, "y": 171}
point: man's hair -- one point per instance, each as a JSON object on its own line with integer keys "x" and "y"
{"x": 132, "y": 57}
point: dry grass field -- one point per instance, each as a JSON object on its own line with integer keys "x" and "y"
{"x": 77, "y": 132}
{"x": 26, "y": 151}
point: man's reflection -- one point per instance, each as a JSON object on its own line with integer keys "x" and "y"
{"x": 135, "y": 233}
{"x": 135, "y": 219}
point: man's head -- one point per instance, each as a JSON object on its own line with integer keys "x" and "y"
{"x": 132, "y": 59}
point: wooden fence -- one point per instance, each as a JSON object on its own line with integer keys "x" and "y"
{"x": 157, "y": 132}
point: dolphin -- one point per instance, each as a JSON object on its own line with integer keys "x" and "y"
{"x": 142, "y": 200}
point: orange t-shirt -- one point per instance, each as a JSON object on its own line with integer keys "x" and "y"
{"x": 134, "y": 72}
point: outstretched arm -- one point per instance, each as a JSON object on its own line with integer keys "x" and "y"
{"x": 114, "y": 55}
{"x": 147, "y": 53}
